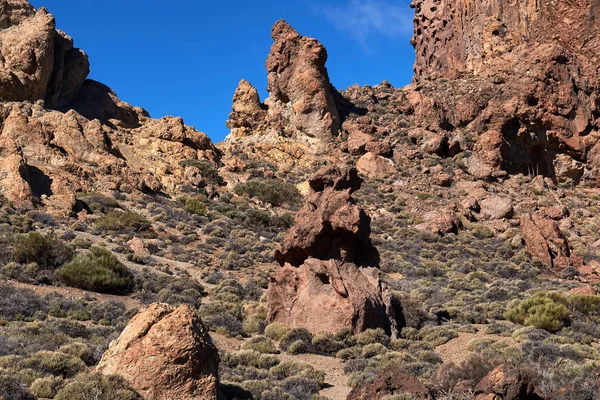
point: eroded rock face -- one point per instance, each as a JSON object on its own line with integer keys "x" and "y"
{"x": 299, "y": 85}
{"x": 392, "y": 382}
{"x": 545, "y": 241}
{"x": 165, "y": 353}
{"x": 329, "y": 278}
{"x": 330, "y": 225}
{"x": 505, "y": 383}
{"x": 300, "y": 115}
{"x": 61, "y": 133}
{"x": 519, "y": 78}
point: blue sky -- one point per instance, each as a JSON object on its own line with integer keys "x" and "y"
{"x": 185, "y": 57}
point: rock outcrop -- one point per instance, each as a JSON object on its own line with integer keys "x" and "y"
{"x": 61, "y": 133}
{"x": 545, "y": 240}
{"x": 165, "y": 353}
{"x": 519, "y": 78}
{"x": 505, "y": 383}
{"x": 329, "y": 278}
{"x": 299, "y": 117}
{"x": 392, "y": 382}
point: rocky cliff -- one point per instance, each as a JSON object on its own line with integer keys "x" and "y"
{"x": 62, "y": 133}
{"x": 519, "y": 78}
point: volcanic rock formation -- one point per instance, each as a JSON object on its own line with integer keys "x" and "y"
{"x": 165, "y": 353}
{"x": 329, "y": 278}
{"x": 62, "y": 133}
{"x": 392, "y": 382}
{"x": 520, "y": 78}
{"x": 301, "y": 112}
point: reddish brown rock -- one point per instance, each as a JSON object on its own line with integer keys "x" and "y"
{"x": 496, "y": 207}
{"x": 526, "y": 90}
{"x": 299, "y": 85}
{"x": 165, "y": 353}
{"x": 440, "y": 222}
{"x": 374, "y": 166}
{"x": 62, "y": 134}
{"x": 545, "y": 241}
{"x": 329, "y": 278}
{"x": 505, "y": 383}
{"x": 392, "y": 382}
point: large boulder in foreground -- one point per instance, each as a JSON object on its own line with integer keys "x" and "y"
{"x": 392, "y": 382}
{"x": 329, "y": 278}
{"x": 165, "y": 353}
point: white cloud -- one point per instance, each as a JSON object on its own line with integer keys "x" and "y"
{"x": 363, "y": 19}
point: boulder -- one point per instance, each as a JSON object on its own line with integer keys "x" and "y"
{"x": 392, "y": 382}
{"x": 496, "y": 207}
{"x": 505, "y": 383}
{"x": 440, "y": 222}
{"x": 545, "y": 241}
{"x": 165, "y": 353}
{"x": 328, "y": 296}
{"x": 330, "y": 225}
{"x": 329, "y": 278}
{"x": 374, "y": 166}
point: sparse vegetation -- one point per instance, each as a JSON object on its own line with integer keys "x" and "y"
{"x": 98, "y": 271}
{"x": 272, "y": 191}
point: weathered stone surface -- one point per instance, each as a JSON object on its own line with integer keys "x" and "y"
{"x": 327, "y": 296}
{"x": 299, "y": 118}
{"x": 392, "y": 382}
{"x": 375, "y": 166}
{"x": 329, "y": 278}
{"x": 519, "y": 78}
{"x": 505, "y": 383}
{"x": 299, "y": 85}
{"x": 545, "y": 241}
{"x": 440, "y": 222}
{"x": 496, "y": 207}
{"x": 165, "y": 353}
{"x": 61, "y": 133}
{"x": 330, "y": 225}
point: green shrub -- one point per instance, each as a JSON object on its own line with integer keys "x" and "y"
{"x": 46, "y": 387}
{"x": 97, "y": 387}
{"x": 97, "y": 202}
{"x": 123, "y": 221}
{"x": 276, "y": 331}
{"x": 98, "y": 271}
{"x": 272, "y": 191}
{"x": 260, "y": 344}
{"x": 371, "y": 336}
{"x": 55, "y": 363}
{"x": 292, "y": 337}
{"x": 542, "y": 311}
{"x": 194, "y": 205}
{"x": 46, "y": 251}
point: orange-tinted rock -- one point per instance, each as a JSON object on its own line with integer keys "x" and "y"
{"x": 545, "y": 241}
{"x": 165, "y": 353}
{"x": 329, "y": 278}
{"x": 505, "y": 383}
{"x": 392, "y": 382}
{"x": 375, "y": 166}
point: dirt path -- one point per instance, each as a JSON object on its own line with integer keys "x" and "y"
{"x": 77, "y": 294}
{"x": 335, "y": 380}
{"x": 456, "y": 350}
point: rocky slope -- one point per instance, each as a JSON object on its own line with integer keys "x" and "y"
{"x": 63, "y": 134}
{"x": 435, "y": 241}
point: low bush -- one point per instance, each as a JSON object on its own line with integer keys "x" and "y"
{"x": 260, "y": 344}
{"x": 47, "y": 251}
{"x": 272, "y": 191}
{"x": 276, "y": 331}
{"x": 97, "y": 387}
{"x": 194, "y": 205}
{"x": 123, "y": 221}
{"x": 542, "y": 311}
{"x": 296, "y": 340}
{"x": 97, "y": 202}
{"x": 98, "y": 271}
{"x": 46, "y": 387}
{"x": 55, "y": 363}
{"x": 207, "y": 170}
